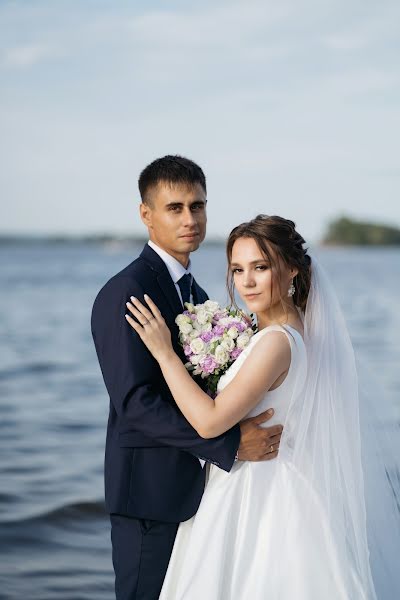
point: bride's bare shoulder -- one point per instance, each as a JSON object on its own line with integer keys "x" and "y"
{"x": 274, "y": 343}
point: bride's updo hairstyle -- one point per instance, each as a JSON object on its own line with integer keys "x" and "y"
{"x": 280, "y": 236}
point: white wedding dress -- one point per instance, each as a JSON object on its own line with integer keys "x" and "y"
{"x": 226, "y": 551}
{"x": 304, "y": 525}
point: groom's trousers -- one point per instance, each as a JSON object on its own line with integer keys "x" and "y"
{"x": 141, "y": 550}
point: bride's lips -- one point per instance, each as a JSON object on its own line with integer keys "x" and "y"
{"x": 251, "y": 296}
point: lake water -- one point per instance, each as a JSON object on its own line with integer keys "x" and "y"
{"x": 54, "y": 534}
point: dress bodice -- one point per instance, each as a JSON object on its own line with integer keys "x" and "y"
{"x": 279, "y": 398}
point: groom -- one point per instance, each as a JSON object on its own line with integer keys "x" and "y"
{"x": 153, "y": 461}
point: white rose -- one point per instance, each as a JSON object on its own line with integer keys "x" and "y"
{"x": 228, "y": 344}
{"x": 189, "y": 306}
{"x": 233, "y": 332}
{"x": 197, "y": 345}
{"x": 195, "y": 359}
{"x": 242, "y": 340}
{"x": 221, "y": 355}
{"x": 198, "y": 326}
{"x": 225, "y": 321}
{"x": 180, "y": 319}
{"x": 211, "y": 306}
{"x": 202, "y": 316}
{"x": 195, "y": 333}
{"x": 185, "y": 328}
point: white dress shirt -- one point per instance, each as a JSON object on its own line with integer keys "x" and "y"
{"x": 176, "y": 270}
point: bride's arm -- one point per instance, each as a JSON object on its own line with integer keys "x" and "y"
{"x": 268, "y": 361}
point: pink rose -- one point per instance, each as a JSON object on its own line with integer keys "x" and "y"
{"x": 218, "y": 330}
{"x": 207, "y": 336}
{"x": 235, "y": 353}
{"x": 208, "y": 364}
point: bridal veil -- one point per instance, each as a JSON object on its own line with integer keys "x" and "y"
{"x": 339, "y": 462}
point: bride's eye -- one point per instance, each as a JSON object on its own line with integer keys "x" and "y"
{"x": 236, "y": 270}
{"x": 262, "y": 267}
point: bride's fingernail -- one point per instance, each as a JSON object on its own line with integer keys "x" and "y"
{"x": 133, "y": 298}
{"x": 146, "y": 296}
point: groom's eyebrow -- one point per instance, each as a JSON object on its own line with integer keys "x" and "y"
{"x": 177, "y": 203}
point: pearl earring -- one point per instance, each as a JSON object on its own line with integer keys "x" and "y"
{"x": 291, "y": 290}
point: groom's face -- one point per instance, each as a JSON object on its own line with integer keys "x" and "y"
{"x": 176, "y": 218}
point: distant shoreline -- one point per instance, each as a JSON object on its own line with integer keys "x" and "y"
{"x": 95, "y": 239}
{"x": 116, "y": 243}
{"x": 340, "y": 232}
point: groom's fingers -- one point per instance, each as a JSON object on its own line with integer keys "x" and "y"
{"x": 262, "y": 417}
{"x": 273, "y": 448}
{"x": 275, "y": 439}
{"x": 272, "y": 431}
{"x": 270, "y": 455}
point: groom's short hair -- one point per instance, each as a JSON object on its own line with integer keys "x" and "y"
{"x": 173, "y": 170}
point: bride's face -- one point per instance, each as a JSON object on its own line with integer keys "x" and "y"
{"x": 259, "y": 284}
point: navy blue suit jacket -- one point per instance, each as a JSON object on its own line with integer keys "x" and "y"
{"x": 152, "y": 469}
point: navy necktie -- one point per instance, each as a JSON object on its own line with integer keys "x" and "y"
{"x": 185, "y": 285}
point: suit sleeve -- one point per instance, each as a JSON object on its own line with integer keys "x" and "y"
{"x": 135, "y": 384}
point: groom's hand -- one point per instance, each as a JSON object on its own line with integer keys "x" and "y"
{"x": 259, "y": 443}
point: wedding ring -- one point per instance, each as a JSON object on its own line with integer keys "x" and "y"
{"x": 271, "y": 449}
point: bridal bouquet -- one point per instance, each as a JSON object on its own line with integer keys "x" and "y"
{"x": 212, "y": 339}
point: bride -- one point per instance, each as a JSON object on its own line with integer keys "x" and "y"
{"x": 295, "y": 527}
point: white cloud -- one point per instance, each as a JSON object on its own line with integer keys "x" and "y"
{"x": 25, "y": 56}
{"x": 346, "y": 41}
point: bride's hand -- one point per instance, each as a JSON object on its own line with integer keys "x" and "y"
{"x": 151, "y": 327}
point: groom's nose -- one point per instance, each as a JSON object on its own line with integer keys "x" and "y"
{"x": 188, "y": 217}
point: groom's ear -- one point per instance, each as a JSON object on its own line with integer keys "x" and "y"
{"x": 145, "y": 214}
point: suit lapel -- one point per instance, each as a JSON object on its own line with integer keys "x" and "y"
{"x": 169, "y": 290}
{"x": 199, "y": 295}
{"x": 164, "y": 280}
{"x": 166, "y": 284}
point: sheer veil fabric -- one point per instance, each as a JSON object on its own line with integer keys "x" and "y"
{"x": 322, "y": 444}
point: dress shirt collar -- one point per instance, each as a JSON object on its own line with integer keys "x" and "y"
{"x": 175, "y": 269}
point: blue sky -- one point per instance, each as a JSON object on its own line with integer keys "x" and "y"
{"x": 291, "y": 108}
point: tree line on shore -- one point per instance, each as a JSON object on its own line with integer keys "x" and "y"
{"x": 341, "y": 231}
{"x": 345, "y": 231}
